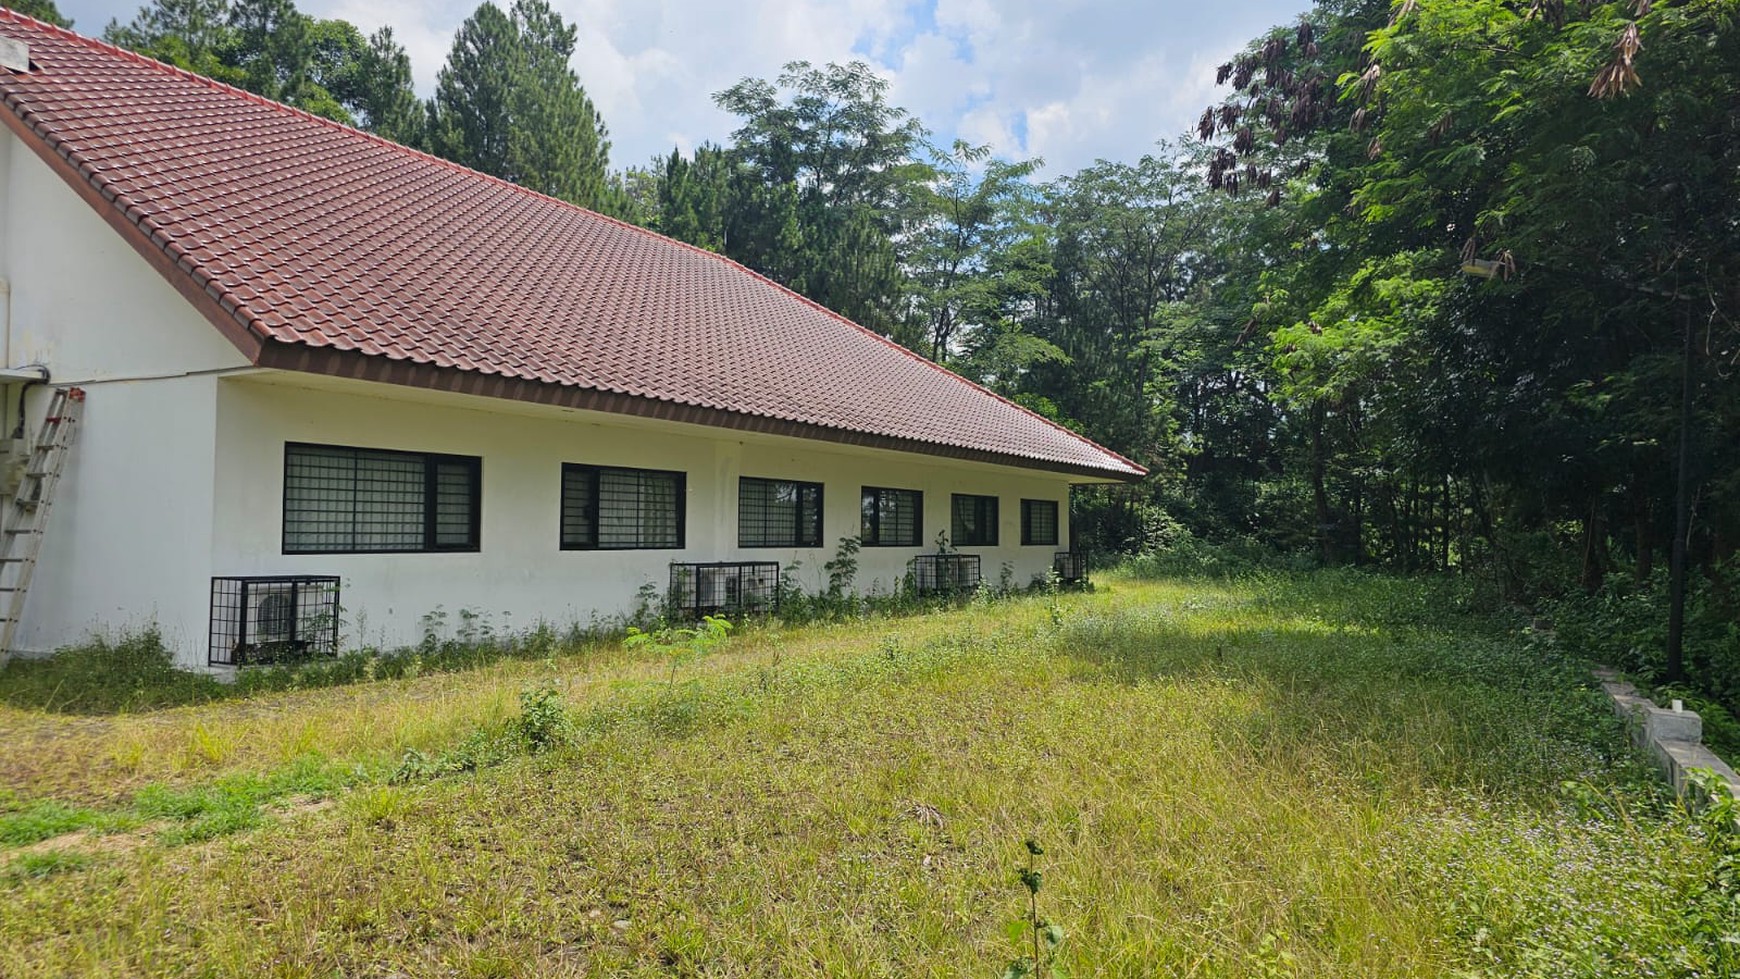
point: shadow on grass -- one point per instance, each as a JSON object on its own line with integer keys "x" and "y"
{"x": 1351, "y": 665}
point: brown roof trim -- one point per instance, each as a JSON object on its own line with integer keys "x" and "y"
{"x": 160, "y": 253}
{"x": 355, "y": 365}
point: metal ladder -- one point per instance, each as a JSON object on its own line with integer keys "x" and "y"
{"x": 27, "y": 517}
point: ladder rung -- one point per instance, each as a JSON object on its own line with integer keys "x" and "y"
{"x": 30, "y": 499}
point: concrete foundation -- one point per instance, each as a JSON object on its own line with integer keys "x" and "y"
{"x": 1672, "y": 738}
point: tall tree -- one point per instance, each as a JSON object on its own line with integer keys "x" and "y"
{"x": 43, "y": 10}
{"x": 191, "y": 34}
{"x": 269, "y": 47}
{"x": 508, "y": 103}
{"x": 837, "y": 175}
{"x": 380, "y": 91}
{"x": 972, "y": 210}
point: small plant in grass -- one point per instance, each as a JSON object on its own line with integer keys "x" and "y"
{"x": 843, "y": 568}
{"x": 681, "y": 646}
{"x": 544, "y": 722}
{"x": 1044, "y": 935}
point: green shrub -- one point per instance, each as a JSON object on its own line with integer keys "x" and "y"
{"x": 107, "y": 675}
{"x": 543, "y": 722}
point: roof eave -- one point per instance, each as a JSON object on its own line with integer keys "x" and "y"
{"x": 356, "y": 365}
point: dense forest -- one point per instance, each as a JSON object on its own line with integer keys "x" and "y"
{"x": 1438, "y": 285}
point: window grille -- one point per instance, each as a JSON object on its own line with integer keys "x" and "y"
{"x": 892, "y": 517}
{"x": 727, "y": 587}
{"x": 273, "y": 619}
{"x": 943, "y": 574}
{"x": 975, "y": 521}
{"x": 1039, "y": 522}
{"x": 778, "y": 513}
{"x": 606, "y": 508}
{"x": 341, "y": 500}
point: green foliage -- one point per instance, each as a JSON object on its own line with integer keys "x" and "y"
{"x": 270, "y": 48}
{"x": 842, "y": 568}
{"x": 32, "y": 866}
{"x": 25, "y": 823}
{"x": 1715, "y": 908}
{"x": 43, "y": 10}
{"x": 543, "y": 722}
{"x": 681, "y": 645}
{"x": 1045, "y": 936}
{"x": 106, "y": 675}
{"x": 1623, "y": 624}
{"x": 507, "y": 103}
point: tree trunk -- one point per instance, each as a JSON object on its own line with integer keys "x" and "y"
{"x": 1594, "y": 546}
{"x": 1643, "y": 527}
{"x": 1319, "y": 488}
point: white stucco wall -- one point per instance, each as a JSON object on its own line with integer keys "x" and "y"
{"x": 128, "y": 542}
{"x": 83, "y": 301}
{"x": 129, "y": 538}
{"x": 521, "y": 575}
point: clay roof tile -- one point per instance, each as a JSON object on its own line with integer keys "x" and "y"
{"x": 312, "y": 235}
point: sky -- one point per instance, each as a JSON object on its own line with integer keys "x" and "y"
{"x": 1067, "y": 81}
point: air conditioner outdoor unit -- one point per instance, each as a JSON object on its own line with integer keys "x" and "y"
{"x": 761, "y": 582}
{"x": 717, "y": 587}
{"x": 269, "y": 619}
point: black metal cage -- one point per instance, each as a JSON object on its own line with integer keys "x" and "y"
{"x": 934, "y": 574}
{"x": 728, "y": 587}
{"x": 273, "y": 619}
{"x": 1071, "y": 567}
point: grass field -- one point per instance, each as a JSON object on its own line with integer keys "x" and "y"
{"x": 1323, "y": 775}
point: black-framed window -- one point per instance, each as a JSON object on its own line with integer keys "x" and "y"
{"x": 344, "y": 500}
{"x": 974, "y": 521}
{"x": 606, "y": 508}
{"x": 1039, "y": 522}
{"x": 778, "y": 513}
{"x": 892, "y": 517}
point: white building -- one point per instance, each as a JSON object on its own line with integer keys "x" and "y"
{"x": 310, "y": 352}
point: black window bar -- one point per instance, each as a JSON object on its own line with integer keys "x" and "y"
{"x": 724, "y": 587}
{"x": 944, "y": 574}
{"x": 1071, "y": 567}
{"x": 273, "y": 619}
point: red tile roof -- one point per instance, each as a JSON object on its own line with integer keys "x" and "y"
{"x": 317, "y": 247}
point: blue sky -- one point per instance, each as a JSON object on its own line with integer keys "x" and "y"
{"x": 1070, "y": 81}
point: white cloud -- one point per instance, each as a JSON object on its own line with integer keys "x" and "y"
{"x": 1069, "y": 80}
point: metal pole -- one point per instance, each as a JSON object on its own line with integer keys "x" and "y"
{"x": 1676, "y": 669}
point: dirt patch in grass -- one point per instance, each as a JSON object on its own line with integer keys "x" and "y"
{"x": 92, "y": 842}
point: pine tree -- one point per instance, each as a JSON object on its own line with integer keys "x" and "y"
{"x": 509, "y": 104}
